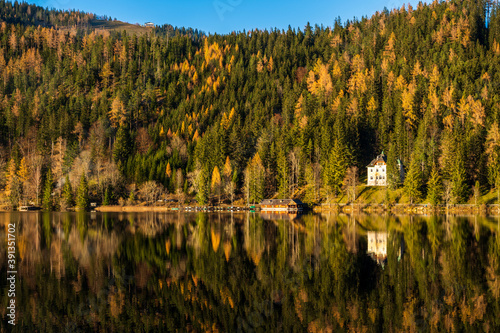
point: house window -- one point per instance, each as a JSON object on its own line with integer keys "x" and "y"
{"x": 371, "y": 178}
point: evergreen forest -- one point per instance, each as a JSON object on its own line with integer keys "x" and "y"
{"x": 91, "y": 114}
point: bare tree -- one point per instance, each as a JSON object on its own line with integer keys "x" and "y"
{"x": 35, "y": 178}
{"x": 317, "y": 179}
{"x": 294, "y": 158}
{"x": 57, "y": 158}
{"x": 179, "y": 180}
{"x": 447, "y": 194}
{"x": 350, "y": 183}
{"x": 143, "y": 140}
{"x": 98, "y": 140}
{"x": 229, "y": 189}
{"x": 2, "y": 168}
{"x": 193, "y": 178}
{"x": 179, "y": 145}
{"x": 150, "y": 191}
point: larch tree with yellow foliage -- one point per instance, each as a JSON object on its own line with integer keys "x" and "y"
{"x": 216, "y": 182}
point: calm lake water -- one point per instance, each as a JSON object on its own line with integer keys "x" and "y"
{"x": 249, "y": 272}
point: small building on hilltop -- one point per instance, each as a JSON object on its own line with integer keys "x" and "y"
{"x": 281, "y": 205}
{"x": 149, "y": 25}
{"x": 377, "y": 171}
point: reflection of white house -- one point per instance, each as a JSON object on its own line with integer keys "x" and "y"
{"x": 377, "y": 245}
{"x": 377, "y": 171}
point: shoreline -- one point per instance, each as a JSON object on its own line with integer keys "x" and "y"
{"x": 416, "y": 209}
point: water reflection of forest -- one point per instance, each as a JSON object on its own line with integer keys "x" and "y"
{"x": 207, "y": 272}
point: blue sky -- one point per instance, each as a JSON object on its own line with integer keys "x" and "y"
{"x": 224, "y": 16}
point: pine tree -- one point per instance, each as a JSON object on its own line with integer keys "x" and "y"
{"x": 82, "y": 198}
{"x": 459, "y": 179}
{"x": 203, "y": 187}
{"x": 47, "y": 203}
{"x": 23, "y": 176}
{"x": 434, "y": 187}
{"x": 393, "y": 172}
{"x": 107, "y": 197}
{"x": 413, "y": 181}
{"x": 67, "y": 192}
{"x": 131, "y": 197}
{"x": 282, "y": 174}
{"x": 310, "y": 196}
{"x": 336, "y": 167}
{"x": 254, "y": 179}
{"x": 122, "y": 145}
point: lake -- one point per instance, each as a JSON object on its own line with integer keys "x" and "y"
{"x": 157, "y": 272}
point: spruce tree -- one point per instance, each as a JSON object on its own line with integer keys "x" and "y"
{"x": 336, "y": 167}
{"x": 459, "y": 179}
{"x": 47, "y": 203}
{"x": 122, "y": 145}
{"x": 67, "y": 192}
{"x": 413, "y": 181}
{"x": 393, "y": 172}
{"x": 203, "y": 187}
{"x": 82, "y": 198}
{"x": 434, "y": 187}
{"x": 107, "y": 197}
{"x": 282, "y": 174}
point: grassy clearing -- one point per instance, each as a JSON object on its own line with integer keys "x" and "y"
{"x": 382, "y": 195}
{"x": 120, "y": 26}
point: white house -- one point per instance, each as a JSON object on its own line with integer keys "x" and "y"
{"x": 377, "y": 171}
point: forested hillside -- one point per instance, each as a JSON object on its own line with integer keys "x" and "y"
{"x": 257, "y": 113}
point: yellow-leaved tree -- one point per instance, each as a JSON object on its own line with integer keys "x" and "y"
{"x": 23, "y": 175}
{"x": 407, "y": 100}
{"x": 117, "y": 114}
{"x": 168, "y": 170}
{"x": 216, "y": 181}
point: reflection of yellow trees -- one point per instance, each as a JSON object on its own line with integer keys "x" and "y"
{"x": 227, "y": 250}
{"x": 215, "y": 238}
{"x": 493, "y": 268}
{"x": 226, "y": 297}
{"x": 300, "y": 299}
{"x": 409, "y": 322}
{"x": 435, "y": 318}
{"x": 150, "y": 224}
{"x": 56, "y": 259}
{"x": 350, "y": 235}
{"x": 116, "y": 301}
{"x": 313, "y": 236}
{"x": 168, "y": 245}
{"x": 324, "y": 300}
{"x": 337, "y": 315}
{"x": 472, "y": 310}
{"x": 254, "y": 239}
{"x": 434, "y": 235}
{"x": 142, "y": 274}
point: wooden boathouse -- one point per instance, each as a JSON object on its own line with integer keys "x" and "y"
{"x": 281, "y": 205}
